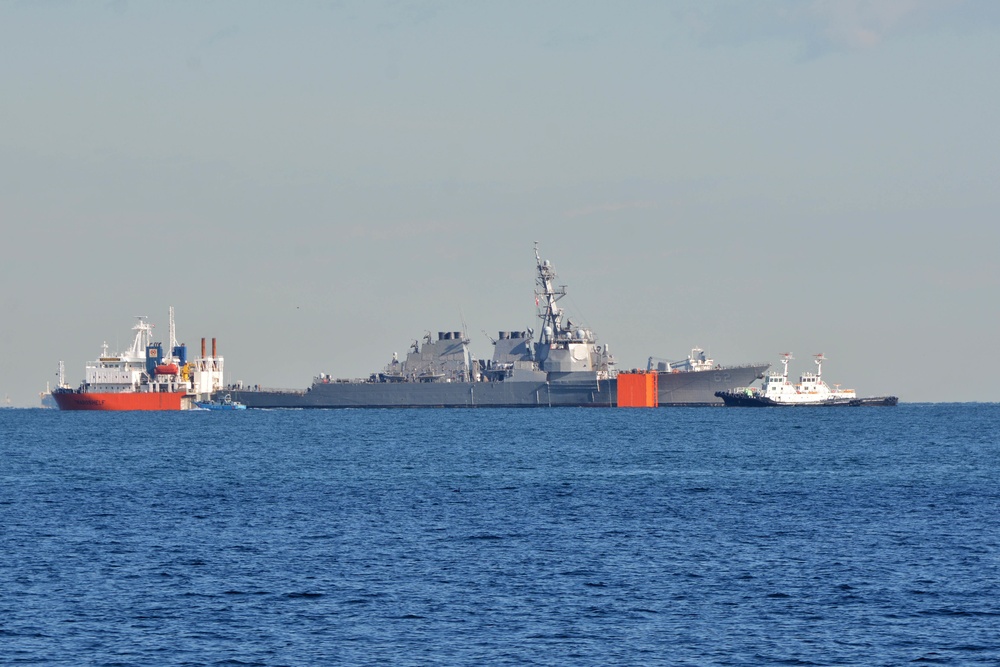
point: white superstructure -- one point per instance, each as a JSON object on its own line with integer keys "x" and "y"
{"x": 121, "y": 372}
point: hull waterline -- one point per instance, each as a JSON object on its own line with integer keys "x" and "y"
{"x": 735, "y": 399}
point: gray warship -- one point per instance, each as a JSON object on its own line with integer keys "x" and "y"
{"x": 565, "y": 366}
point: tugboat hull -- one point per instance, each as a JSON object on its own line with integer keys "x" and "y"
{"x": 742, "y": 400}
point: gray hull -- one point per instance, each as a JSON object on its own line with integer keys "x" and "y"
{"x": 436, "y": 395}
{"x": 675, "y": 389}
{"x": 698, "y": 388}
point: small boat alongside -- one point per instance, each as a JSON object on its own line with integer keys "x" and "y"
{"x": 225, "y": 403}
{"x": 810, "y": 391}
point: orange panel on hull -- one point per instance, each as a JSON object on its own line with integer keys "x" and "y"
{"x": 638, "y": 390}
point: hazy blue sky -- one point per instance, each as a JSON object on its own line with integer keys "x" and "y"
{"x": 318, "y": 183}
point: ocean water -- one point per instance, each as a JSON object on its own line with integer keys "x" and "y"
{"x": 865, "y": 536}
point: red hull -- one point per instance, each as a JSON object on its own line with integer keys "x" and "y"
{"x": 127, "y": 401}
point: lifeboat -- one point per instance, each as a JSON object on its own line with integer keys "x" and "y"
{"x": 167, "y": 369}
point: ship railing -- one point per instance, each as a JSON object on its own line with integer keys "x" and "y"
{"x": 257, "y": 388}
{"x": 331, "y": 380}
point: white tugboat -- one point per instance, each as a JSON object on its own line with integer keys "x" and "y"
{"x": 810, "y": 391}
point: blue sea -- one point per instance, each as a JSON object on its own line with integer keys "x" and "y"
{"x": 866, "y": 536}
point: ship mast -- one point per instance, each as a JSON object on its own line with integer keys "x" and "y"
{"x": 172, "y": 333}
{"x": 785, "y": 358}
{"x": 819, "y": 364}
{"x": 550, "y": 313}
{"x": 143, "y": 336}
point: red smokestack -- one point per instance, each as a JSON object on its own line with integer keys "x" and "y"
{"x": 213, "y": 349}
{"x": 202, "y": 348}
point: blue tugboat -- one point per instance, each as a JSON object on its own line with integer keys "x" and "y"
{"x": 227, "y": 403}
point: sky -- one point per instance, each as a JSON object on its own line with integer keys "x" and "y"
{"x": 317, "y": 184}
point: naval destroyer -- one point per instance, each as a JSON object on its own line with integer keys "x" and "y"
{"x": 565, "y": 366}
